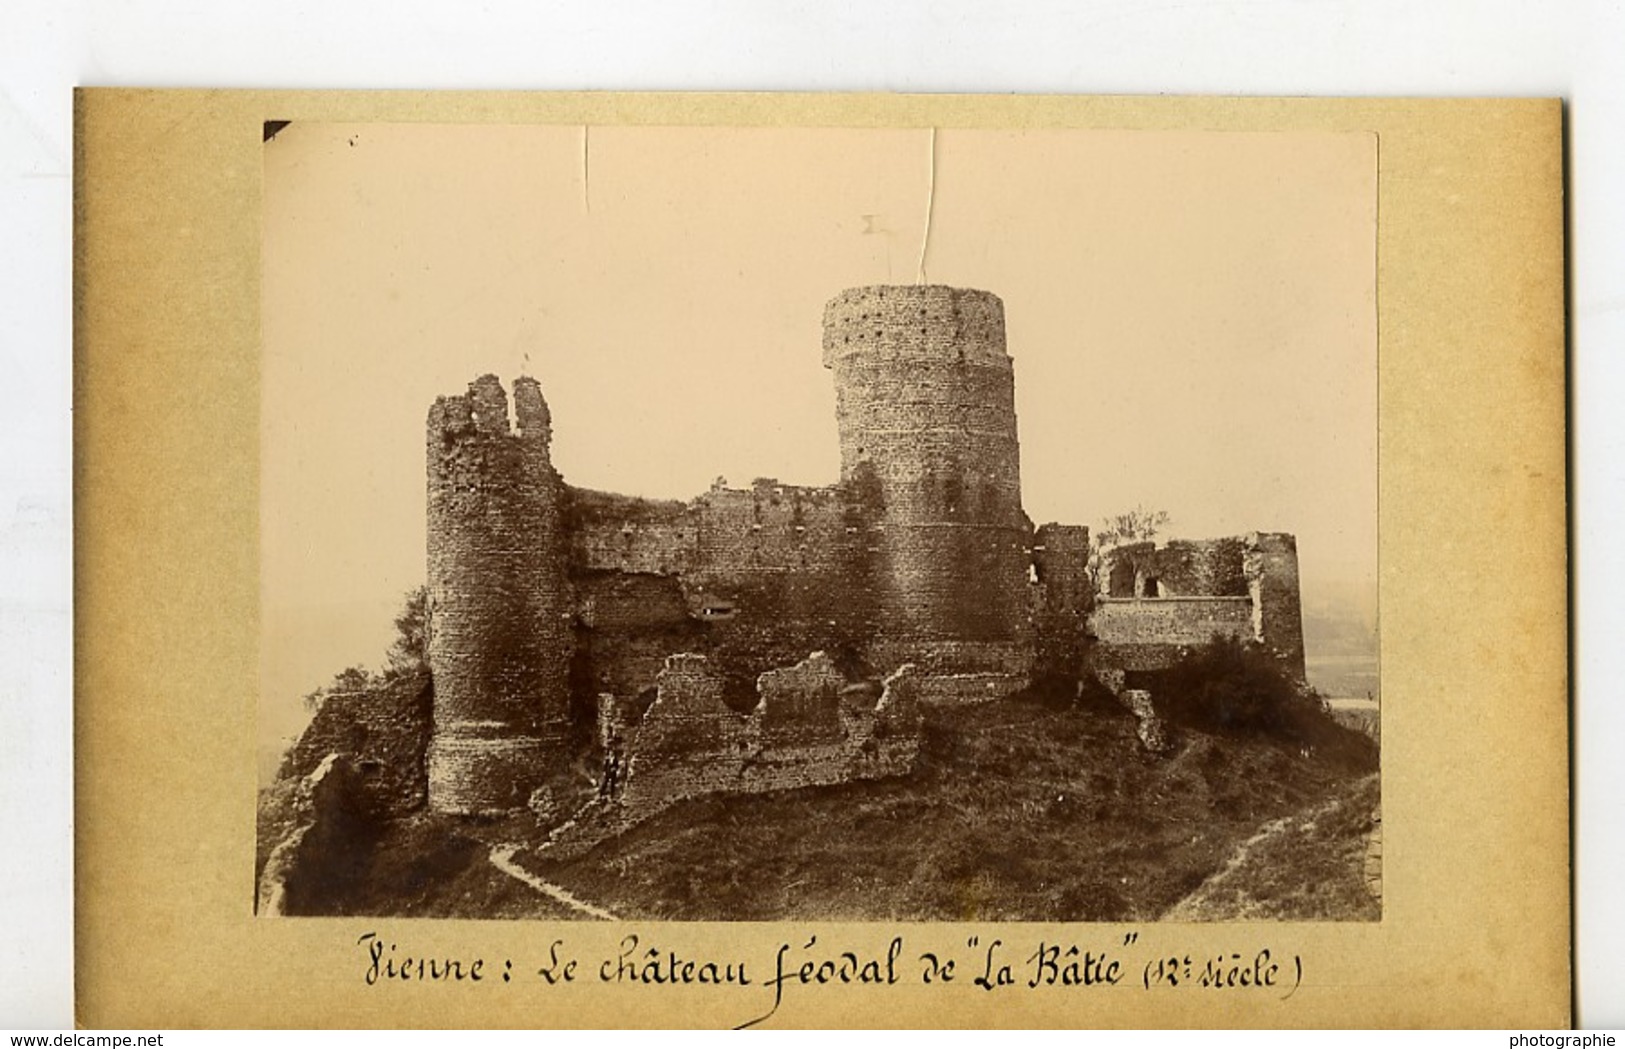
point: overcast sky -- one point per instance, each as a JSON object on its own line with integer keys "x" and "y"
{"x": 1192, "y": 318}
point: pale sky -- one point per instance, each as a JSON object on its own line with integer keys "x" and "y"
{"x": 1192, "y": 318}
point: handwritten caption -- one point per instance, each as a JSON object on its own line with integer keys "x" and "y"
{"x": 981, "y": 966}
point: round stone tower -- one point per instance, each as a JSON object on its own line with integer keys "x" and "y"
{"x": 925, "y": 402}
{"x": 499, "y": 599}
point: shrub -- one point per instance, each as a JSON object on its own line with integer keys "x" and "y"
{"x": 1227, "y": 687}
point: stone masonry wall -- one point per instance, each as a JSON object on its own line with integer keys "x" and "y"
{"x": 1200, "y": 567}
{"x": 767, "y": 572}
{"x": 1171, "y": 620}
{"x": 1180, "y": 568}
{"x": 1271, "y": 567}
{"x": 500, "y": 605}
{"x": 722, "y": 535}
{"x": 381, "y": 734}
{"x": 809, "y": 728}
{"x": 1064, "y": 599}
{"x": 1156, "y": 602}
{"x": 628, "y": 623}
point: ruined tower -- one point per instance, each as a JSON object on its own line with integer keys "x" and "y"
{"x": 499, "y": 599}
{"x": 925, "y": 403}
{"x": 1270, "y": 563}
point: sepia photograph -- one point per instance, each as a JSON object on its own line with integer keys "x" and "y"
{"x": 732, "y": 523}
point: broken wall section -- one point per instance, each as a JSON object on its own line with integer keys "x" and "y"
{"x": 1156, "y": 603}
{"x": 381, "y": 733}
{"x": 750, "y": 577}
{"x": 1063, "y": 599}
{"x": 811, "y": 727}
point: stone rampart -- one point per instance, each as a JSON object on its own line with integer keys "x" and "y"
{"x": 1063, "y": 601}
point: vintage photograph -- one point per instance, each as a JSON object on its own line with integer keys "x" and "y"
{"x": 738, "y": 523}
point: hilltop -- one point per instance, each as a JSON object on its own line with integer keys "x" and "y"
{"x": 1025, "y": 809}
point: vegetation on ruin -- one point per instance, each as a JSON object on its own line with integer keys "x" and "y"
{"x": 1138, "y": 525}
{"x": 1040, "y": 807}
{"x": 408, "y": 654}
{"x": 1035, "y": 808}
{"x": 1231, "y": 688}
{"x": 1132, "y": 526}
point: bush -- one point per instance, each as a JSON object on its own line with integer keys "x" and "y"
{"x": 1227, "y": 687}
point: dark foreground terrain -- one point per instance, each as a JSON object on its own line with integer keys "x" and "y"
{"x": 1019, "y": 810}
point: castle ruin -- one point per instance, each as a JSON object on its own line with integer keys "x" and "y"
{"x": 779, "y": 635}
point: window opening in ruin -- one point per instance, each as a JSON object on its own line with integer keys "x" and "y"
{"x": 1152, "y": 588}
{"x": 1121, "y": 581}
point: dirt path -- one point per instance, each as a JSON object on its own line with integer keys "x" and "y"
{"x": 1217, "y": 897}
{"x": 1195, "y": 907}
{"x": 502, "y": 859}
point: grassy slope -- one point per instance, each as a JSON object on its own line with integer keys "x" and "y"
{"x": 1299, "y": 868}
{"x": 1018, "y": 811}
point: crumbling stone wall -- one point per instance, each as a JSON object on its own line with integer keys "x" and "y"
{"x": 316, "y": 834}
{"x": 1155, "y": 603}
{"x": 801, "y": 704}
{"x": 1271, "y": 567}
{"x": 1206, "y": 567}
{"x": 624, "y": 533}
{"x": 1180, "y": 568}
{"x": 500, "y": 603}
{"x": 627, "y": 624}
{"x": 381, "y": 734}
{"x": 780, "y": 570}
{"x": 811, "y": 727}
{"x": 724, "y": 535}
{"x": 1063, "y": 600}
{"x": 314, "y": 818}
{"x": 925, "y": 404}
{"x": 765, "y": 571}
